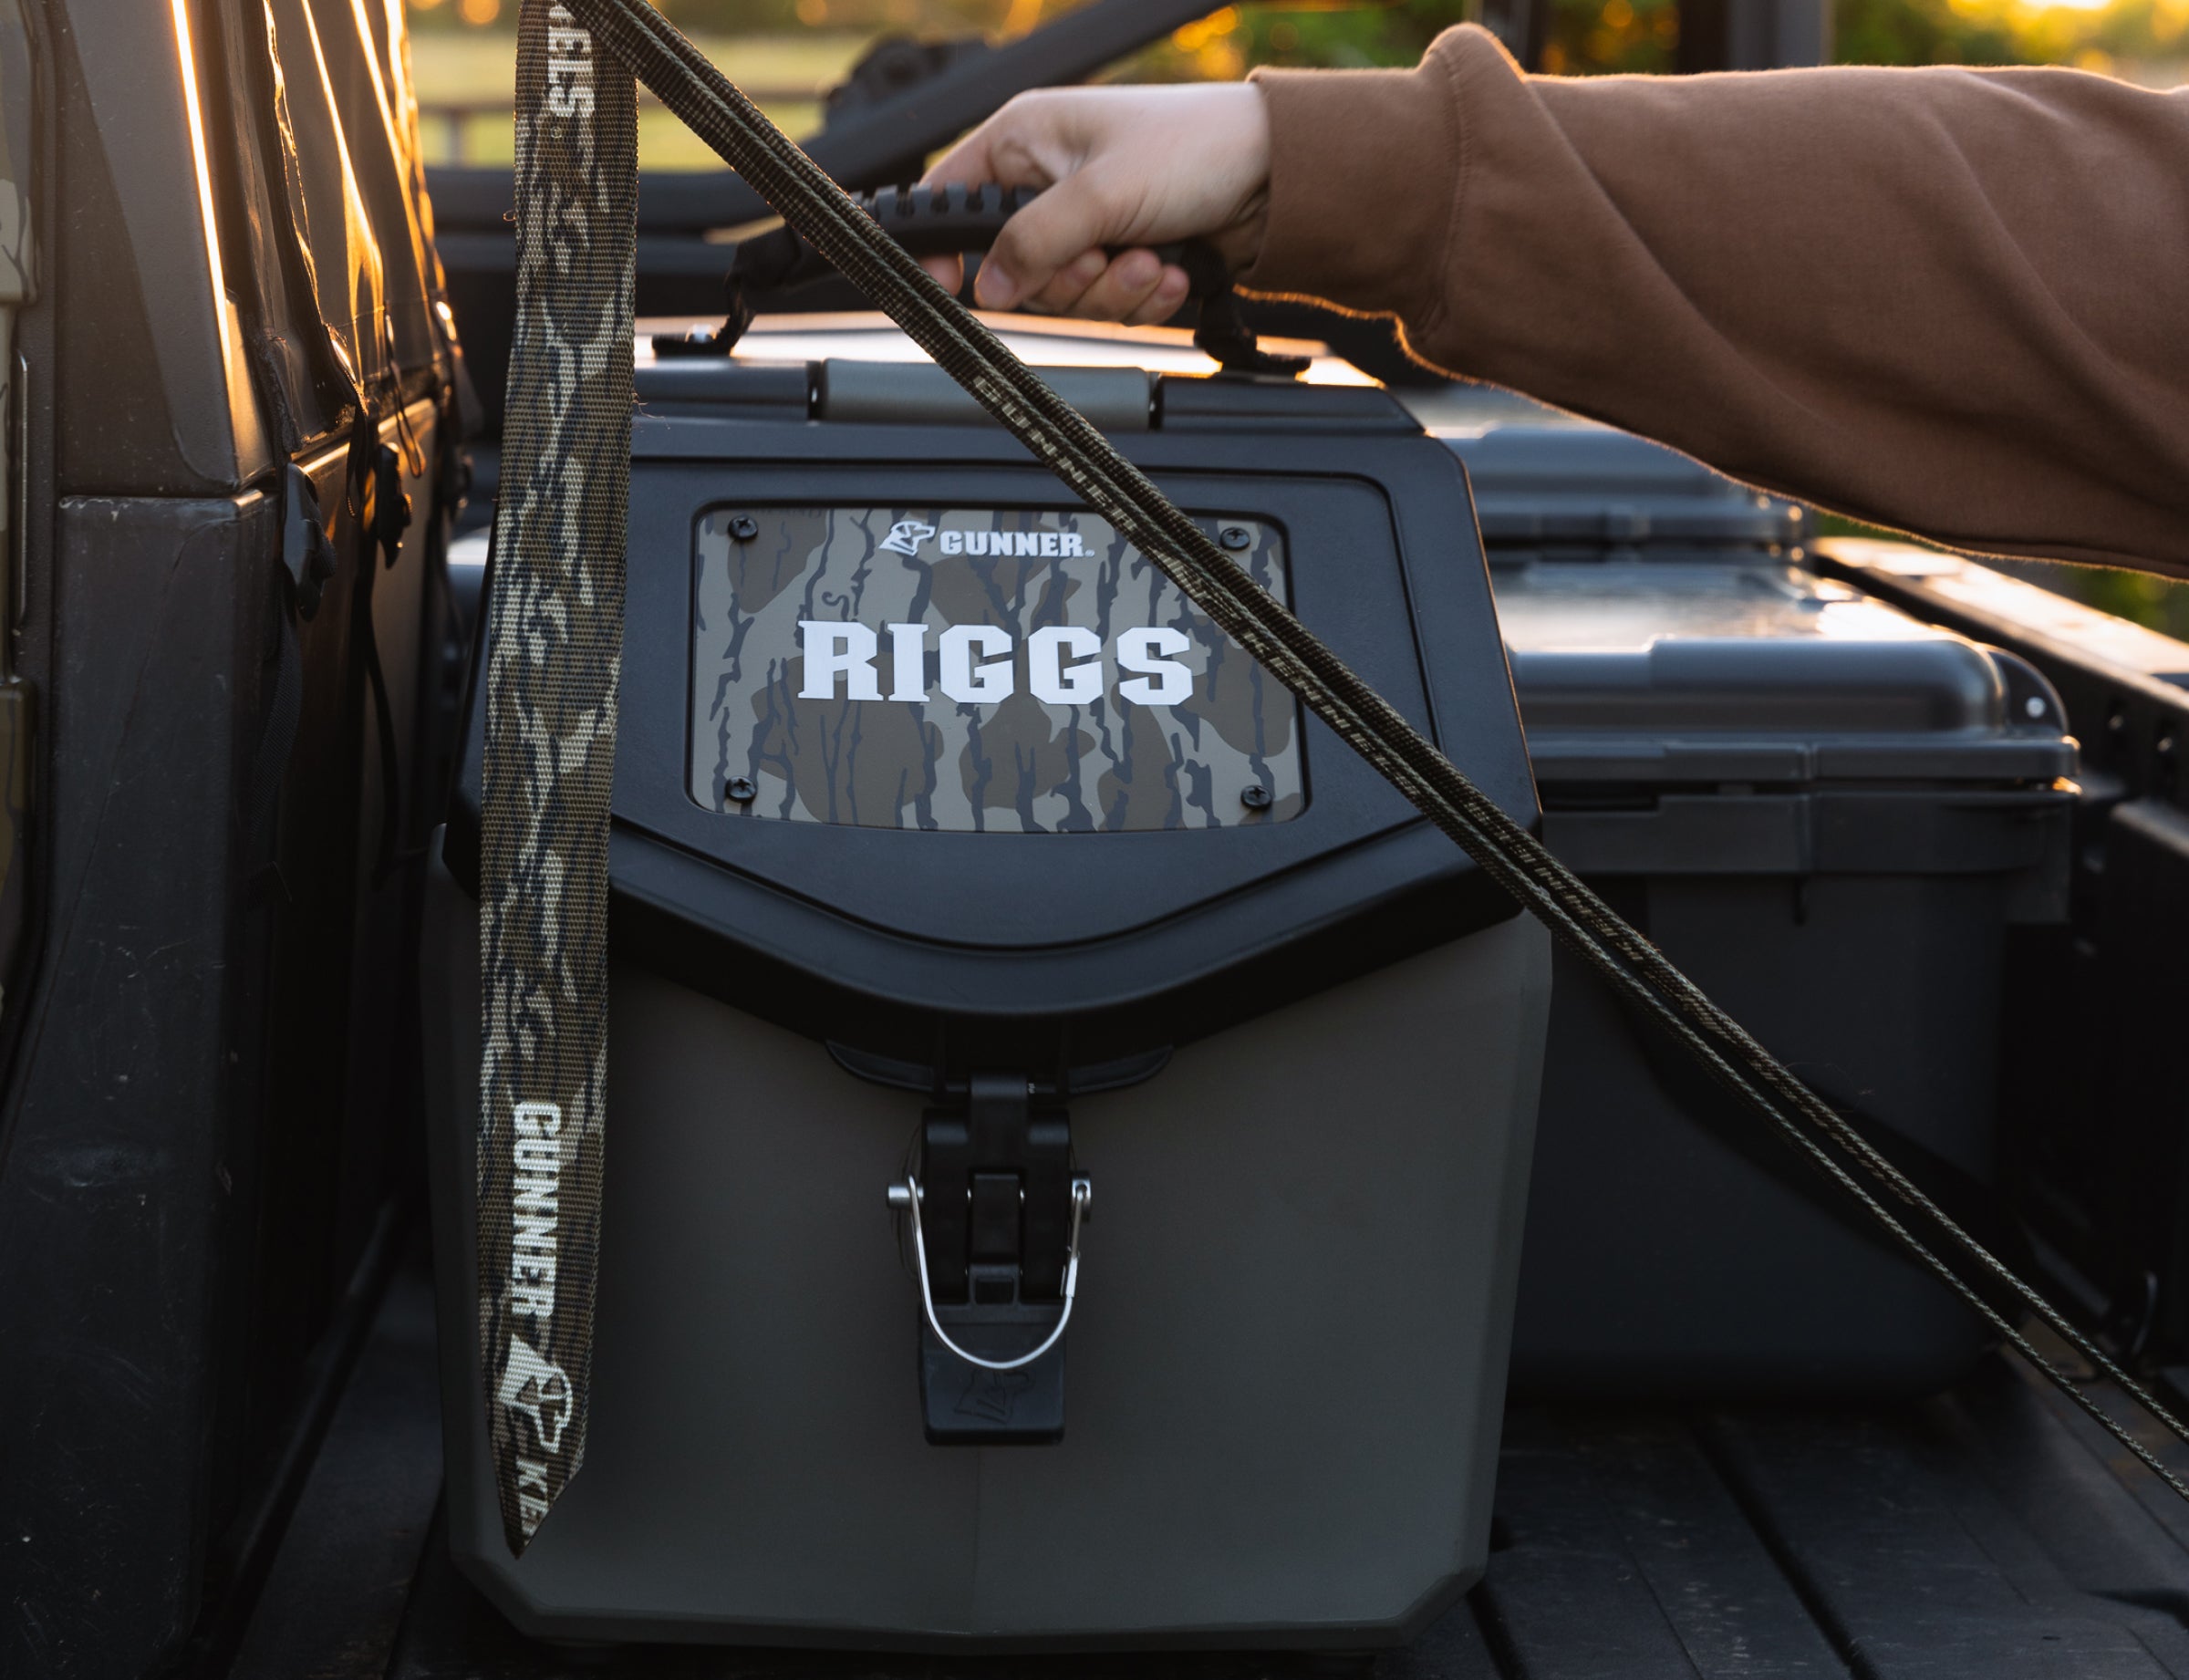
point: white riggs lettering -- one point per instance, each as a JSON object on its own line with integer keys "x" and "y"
{"x": 1161, "y": 682}
{"x": 976, "y": 664}
{"x": 845, "y": 650}
{"x": 964, "y": 679}
{"x": 1048, "y": 676}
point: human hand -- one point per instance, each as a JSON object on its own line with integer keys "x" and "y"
{"x": 1121, "y": 169}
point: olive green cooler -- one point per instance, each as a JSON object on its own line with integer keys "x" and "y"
{"x": 958, "y": 858}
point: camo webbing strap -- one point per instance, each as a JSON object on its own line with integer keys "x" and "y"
{"x": 553, "y": 659}
{"x": 1090, "y": 466}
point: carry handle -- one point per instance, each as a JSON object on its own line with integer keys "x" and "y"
{"x": 938, "y": 220}
{"x": 952, "y": 220}
{"x": 943, "y": 220}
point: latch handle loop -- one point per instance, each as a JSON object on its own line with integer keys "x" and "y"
{"x": 905, "y": 1197}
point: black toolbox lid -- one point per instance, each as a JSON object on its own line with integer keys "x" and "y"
{"x": 1547, "y": 487}
{"x": 1759, "y": 672}
{"x": 891, "y": 940}
{"x": 1724, "y": 719}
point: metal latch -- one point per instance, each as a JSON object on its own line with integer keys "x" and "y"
{"x": 993, "y": 1208}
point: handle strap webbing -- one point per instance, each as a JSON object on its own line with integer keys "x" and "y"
{"x": 553, "y": 657}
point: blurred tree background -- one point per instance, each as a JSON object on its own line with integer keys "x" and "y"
{"x": 786, "y": 52}
{"x": 2146, "y": 39}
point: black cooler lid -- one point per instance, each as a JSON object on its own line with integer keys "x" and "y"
{"x": 1716, "y": 672}
{"x": 990, "y": 895}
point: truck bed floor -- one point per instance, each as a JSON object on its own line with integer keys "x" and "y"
{"x": 1990, "y": 1533}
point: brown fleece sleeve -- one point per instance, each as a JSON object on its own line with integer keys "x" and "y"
{"x": 1952, "y": 302}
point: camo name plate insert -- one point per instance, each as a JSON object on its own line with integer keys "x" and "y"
{"x": 977, "y": 670}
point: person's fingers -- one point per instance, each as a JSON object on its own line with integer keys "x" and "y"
{"x": 1068, "y": 285}
{"x": 1125, "y": 284}
{"x": 1081, "y": 213}
{"x": 1164, "y": 302}
{"x": 1115, "y": 167}
{"x": 966, "y": 164}
{"x": 949, "y": 271}
{"x": 1011, "y": 149}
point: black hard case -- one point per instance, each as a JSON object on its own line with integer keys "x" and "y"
{"x": 1829, "y": 816}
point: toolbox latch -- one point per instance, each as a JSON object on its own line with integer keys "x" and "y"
{"x": 993, "y": 1208}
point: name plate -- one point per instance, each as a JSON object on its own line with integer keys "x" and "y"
{"x": 977, "y": 670}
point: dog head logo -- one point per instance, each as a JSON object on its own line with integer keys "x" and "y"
{"x": 537, "y": 1388}
{"x": 905, "y": 536}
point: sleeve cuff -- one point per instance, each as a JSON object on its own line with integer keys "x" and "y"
{"x": 1364, "y": 176}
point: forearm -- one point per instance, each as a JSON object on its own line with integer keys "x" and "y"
{"x": 1944, "y": 301}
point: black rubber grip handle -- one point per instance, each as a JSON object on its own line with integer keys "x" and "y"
{"x": 949, "y": 220}
{"x": 945, "y": 221}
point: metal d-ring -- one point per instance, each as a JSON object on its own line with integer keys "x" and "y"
{"x": 907, "y": 1198}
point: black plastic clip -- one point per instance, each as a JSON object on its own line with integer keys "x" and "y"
{"x": 305, "y": 552}
{"x": 1222, "y": 334}
{"x": 994, "y": 1208}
